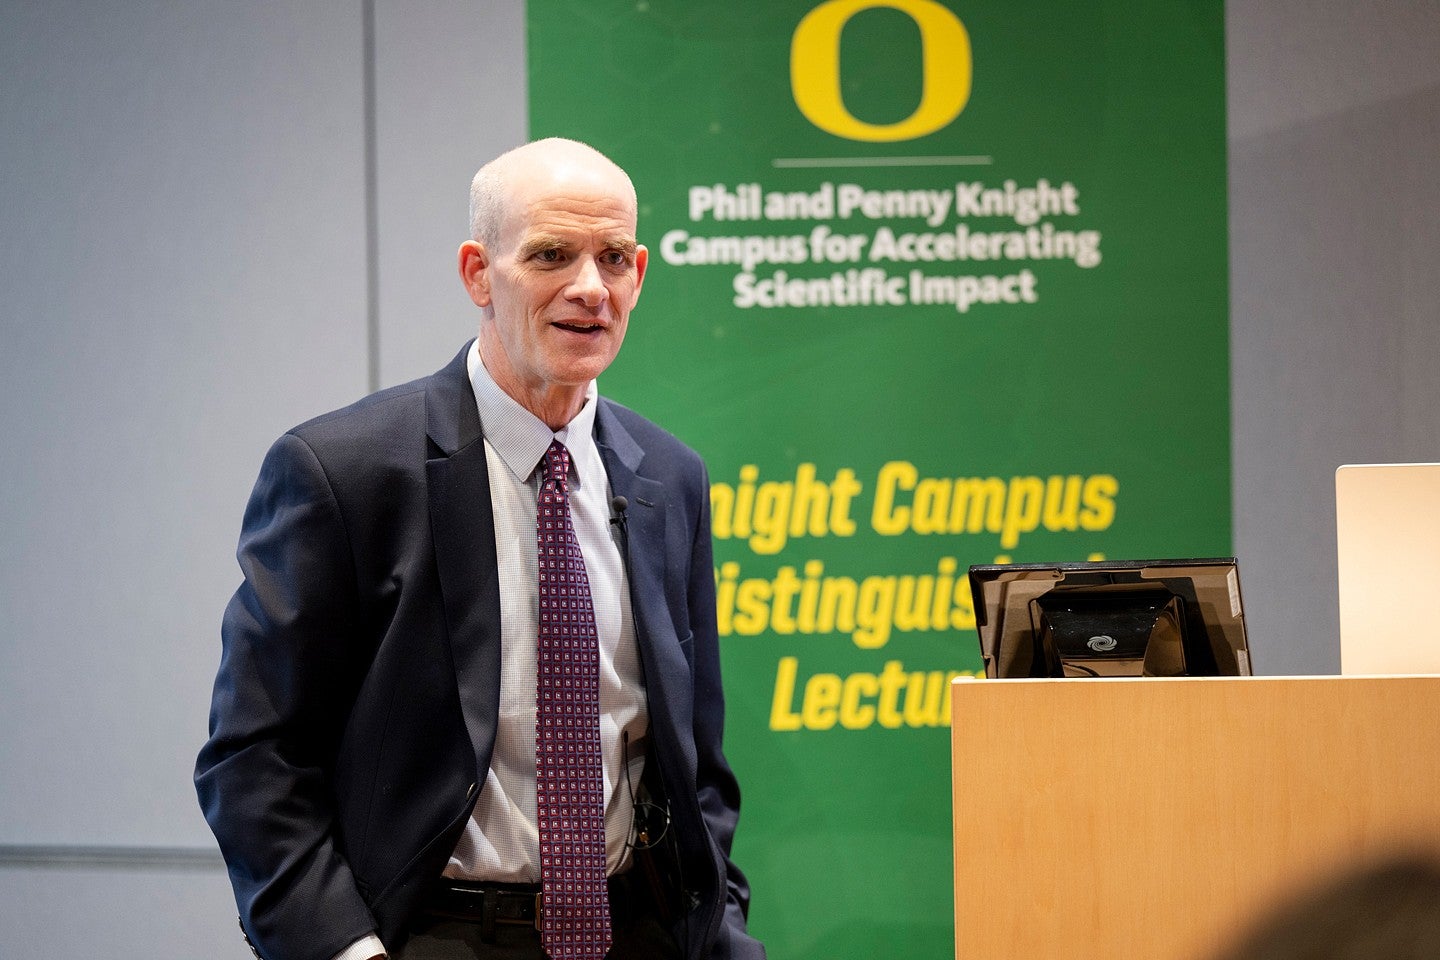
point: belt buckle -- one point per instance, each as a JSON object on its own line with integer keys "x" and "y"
{"x": 539, "y": 909}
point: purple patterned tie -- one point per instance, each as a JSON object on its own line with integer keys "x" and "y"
{"x": 576, "y": 924}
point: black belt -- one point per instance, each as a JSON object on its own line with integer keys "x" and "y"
{"x": 487, "y": 904}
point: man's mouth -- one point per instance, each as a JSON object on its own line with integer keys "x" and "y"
{"x": 580, "y": 326}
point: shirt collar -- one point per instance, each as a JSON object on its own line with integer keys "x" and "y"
{"x": 518, "y": 436}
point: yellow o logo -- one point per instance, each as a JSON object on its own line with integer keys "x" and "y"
{"x": 815, "y": 70}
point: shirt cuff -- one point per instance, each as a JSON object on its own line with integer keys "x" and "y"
{"x": 363, "y": 949}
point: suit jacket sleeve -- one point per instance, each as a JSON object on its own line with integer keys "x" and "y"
{"x": 718, "y": 791}
{"x": 287, "y": 676}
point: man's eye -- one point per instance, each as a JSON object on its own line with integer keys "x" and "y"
{"x": 616, "y": 258}
{"x": 548, "y": 256}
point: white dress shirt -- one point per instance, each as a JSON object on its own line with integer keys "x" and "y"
{"x": 501, "y": 842}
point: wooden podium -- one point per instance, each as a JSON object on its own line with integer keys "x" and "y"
{"x": 1151, "y": 819}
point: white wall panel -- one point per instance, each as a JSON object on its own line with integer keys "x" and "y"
{"x": 62, "y": 913}
{"x": 180, "y": 237}
{"x": 450, "y": 95}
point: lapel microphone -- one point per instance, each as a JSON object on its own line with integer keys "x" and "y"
{"x": 618, "y": 506}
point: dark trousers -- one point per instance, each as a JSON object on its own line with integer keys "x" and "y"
{"x": 642, "y": 939}
{"x": 451, "y": 926}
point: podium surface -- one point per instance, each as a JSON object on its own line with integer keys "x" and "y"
{"x": 1154, "y": 818}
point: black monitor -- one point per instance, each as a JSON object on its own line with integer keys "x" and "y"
{"x": 1111, "y": 618}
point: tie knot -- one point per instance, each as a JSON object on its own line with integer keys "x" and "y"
{"x": 557, "y": 463}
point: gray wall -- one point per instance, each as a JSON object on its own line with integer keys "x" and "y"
{"x": 222, "y": 218}
{"x": 190, "y": 196}
{"x": 1335, "y": 287}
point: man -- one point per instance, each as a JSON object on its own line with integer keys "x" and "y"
{"x": 372, "y": 772}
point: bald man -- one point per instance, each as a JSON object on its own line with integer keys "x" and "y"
{"x": 371, "y": 772}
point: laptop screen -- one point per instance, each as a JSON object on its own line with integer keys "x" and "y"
{"x": 1111, "y": 618}
{"x": 1387, "y": 526}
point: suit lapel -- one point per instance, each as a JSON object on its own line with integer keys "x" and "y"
{"x": 644, "y": 515}
{"x": 666, "y": 670}
{"x": 462, "y": 526}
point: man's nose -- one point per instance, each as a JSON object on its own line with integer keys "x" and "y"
{"x": 588, "y": 286}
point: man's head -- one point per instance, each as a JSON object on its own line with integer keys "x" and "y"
{"x": 555, "y": 269}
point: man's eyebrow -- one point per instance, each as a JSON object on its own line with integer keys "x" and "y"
{"x": 532, "y": 245}
{"x": 540, "y": 241}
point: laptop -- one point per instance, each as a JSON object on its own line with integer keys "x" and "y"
{"x": 1111, "y": 618}
{"x": 1387, "y": 525}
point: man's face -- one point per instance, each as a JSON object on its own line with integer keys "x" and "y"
{"x": 560, "y": 282}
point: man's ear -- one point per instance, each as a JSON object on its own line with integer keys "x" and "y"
{"x": 474, "y": 263}
{"x": 642, "y": 260}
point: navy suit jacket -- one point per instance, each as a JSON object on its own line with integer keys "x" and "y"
{"x": 355, "y": 708}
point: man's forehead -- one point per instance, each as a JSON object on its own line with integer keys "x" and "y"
{"x": 569, "y": 216}
{"x": 564, "y": 177}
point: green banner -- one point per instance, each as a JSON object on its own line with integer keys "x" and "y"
{"x": 930, "y": 285}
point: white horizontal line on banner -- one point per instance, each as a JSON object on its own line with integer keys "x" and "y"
{"x": 881, "y": 161}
